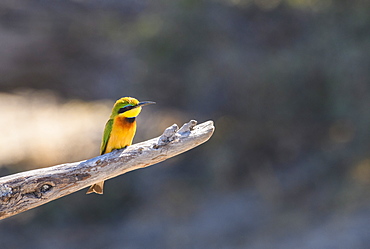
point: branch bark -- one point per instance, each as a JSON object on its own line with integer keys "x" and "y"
{"x": 23, "y": 191}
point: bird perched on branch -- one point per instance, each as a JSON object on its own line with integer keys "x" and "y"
{"x": 119, "y": 130}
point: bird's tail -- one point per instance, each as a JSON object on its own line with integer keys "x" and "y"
{"x": 96, "y": 188}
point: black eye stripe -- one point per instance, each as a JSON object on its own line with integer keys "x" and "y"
{"x": 125, "y": 109}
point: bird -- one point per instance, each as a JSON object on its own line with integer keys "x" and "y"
{"x": 119, "y": 130}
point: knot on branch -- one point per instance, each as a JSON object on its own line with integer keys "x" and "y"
{"x": 173, "y": 133}
{"x": 45, "y": 188}
{"x": 5, "y": 192}
{"x": 187, "y": 127}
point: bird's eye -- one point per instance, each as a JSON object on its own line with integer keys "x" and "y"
{"x": 125, "y": 109}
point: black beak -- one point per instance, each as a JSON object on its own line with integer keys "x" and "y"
{"x": 144, "y": 103}
{"x": 130, "y": 107}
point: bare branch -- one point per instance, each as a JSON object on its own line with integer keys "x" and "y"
{"x": 23, "y": 191}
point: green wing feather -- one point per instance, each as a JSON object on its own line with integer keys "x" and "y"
{"x": 106, "y": 135}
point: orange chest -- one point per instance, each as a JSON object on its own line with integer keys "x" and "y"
{"x": 122, "y": 134}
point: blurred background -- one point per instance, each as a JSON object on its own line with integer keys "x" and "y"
{"x": 287, "y": 83}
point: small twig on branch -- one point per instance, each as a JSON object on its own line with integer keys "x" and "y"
{"x": 23, "y": 191}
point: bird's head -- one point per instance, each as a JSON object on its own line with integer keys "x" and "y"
{"x": 128, "y": 107}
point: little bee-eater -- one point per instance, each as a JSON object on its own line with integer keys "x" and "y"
{"x": 119, "y": 130}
